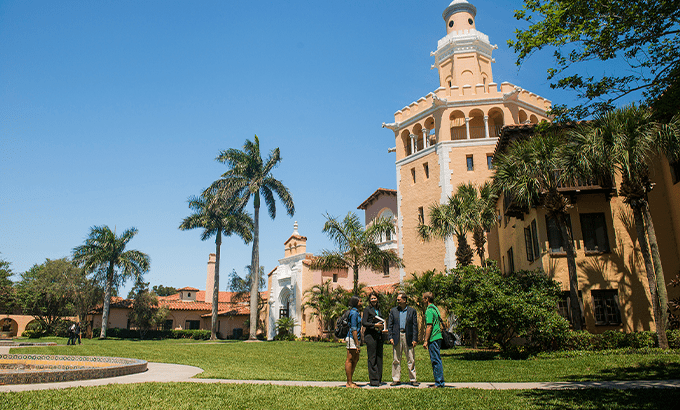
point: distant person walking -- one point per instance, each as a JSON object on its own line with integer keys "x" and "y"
{"x": 402, "y": 328}
{"x": 373, "y": 338}
{"x": 433, "y": 338}
{"x": 77, "y": 334}
{"x": 352, "y": 339}
{"x": 71, "y": 335}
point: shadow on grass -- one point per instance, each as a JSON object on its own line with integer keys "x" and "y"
{"x": 603, "y": 399}
{"x": 471, "y": 355}
{"x": 654, "y": 370}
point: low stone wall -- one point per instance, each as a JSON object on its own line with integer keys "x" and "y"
{"x": 34, "y": 368}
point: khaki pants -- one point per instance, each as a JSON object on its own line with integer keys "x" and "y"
{"x": 397, "y": 350}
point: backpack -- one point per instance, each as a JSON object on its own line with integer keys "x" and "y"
{"x": 448, "y": 339}
{"x": 342, "y": 325}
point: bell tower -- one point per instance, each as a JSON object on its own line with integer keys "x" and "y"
{"x": 463, "y": 56}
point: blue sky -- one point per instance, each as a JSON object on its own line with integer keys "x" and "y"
{"x": 112, "y": 113}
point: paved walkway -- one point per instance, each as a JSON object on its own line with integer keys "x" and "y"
{"x": 164, "y": 372}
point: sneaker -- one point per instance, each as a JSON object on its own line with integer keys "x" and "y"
{"x": 414, "y": 384}
{"x": 395, "y": 383}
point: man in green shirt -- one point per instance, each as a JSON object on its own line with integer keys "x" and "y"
{"x": 433, "y": 338}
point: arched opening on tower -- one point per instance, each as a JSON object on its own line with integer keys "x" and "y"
{"x": 533, "y": 119}
{"x": 477, "y": 129}
{"x": 458, "y": 131}
{"x": 406, "y": 140}
{"x": 418, "y": 132}
{"x": 495, "y": 122}
{"x": 522, "y": 117}
{"x": 429, "y": 125}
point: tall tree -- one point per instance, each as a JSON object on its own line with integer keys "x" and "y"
{"x": 642, "y": 34}
{"x": 103, "y": 254}
{"x": 217, "y": 218}
{"x": 484, "y": 217}
{"x": 626, "y": 142}
{"x": 530, "y": 172}
{"x": 357, "y": 247}
{"x": 145, "y": 313}
{"x": 161, "y": 290}
{"x": 7, "y": 297}
{"x": 48, "y": 291}
{"x": 249, "y": 176}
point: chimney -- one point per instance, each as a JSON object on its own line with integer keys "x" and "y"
{"x": 210, "y": 280}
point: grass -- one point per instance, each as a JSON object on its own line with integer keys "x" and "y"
{"x": 211, "y": 396}
{"x": 324, "y": 361}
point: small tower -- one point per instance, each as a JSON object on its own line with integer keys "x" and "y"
{"x": 296, "y": 244}
{"x": 463, "y": 56}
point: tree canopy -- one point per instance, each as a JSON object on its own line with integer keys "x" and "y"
{"x": 6, "y": 287}
{"x": 643, "y": 35}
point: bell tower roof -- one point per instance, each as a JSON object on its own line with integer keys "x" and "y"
{"x": 458, "y": 6}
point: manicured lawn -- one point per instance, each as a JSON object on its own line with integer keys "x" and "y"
{"x": 215, "y": 396}
{"x": 324, "y": 361}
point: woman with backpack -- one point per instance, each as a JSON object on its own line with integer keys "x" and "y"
{"x": 352, "y": 339}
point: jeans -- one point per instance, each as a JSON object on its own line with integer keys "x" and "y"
{"x": 436, "y": 359}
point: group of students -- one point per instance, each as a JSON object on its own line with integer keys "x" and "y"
{"x": 74, "y": 334}
{"x": 402, "y": 332}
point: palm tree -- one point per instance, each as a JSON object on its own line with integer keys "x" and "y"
{"x": 626, "y": 141}
{"x": 481, "y": 212}
{"x": 248, "y": 176}
{"x": 357, "y": 246}
{"x": 454, "y": 218}
{"x": 104, "y": 255}
{"x": 326, "y": 303}
{"x": 217, "y": 218}
{"x": 530, "y": 172}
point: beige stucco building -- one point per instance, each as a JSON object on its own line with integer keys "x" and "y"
{"x": 449, "y": 137}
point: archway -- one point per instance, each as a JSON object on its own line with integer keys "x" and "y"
{"x": 458, "y": 132}
{"x": 495, "y": 122}
{"x": 8, "y": 328}
{"x": 477, "y": 129}
{"x": 406, "y": 141}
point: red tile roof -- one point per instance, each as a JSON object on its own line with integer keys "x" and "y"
{"x": 189, "y": 288}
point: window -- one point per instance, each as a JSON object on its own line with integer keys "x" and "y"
{"x": 192, "y": 324}
{"x": 470, "y": 163}
{"x": 564, "y": 306}
{"x": 421, "y": 215}
{"x": 555, "y": 235}
{"x": 489, "y": 161}
{"x": 534, "y": 237}
{"x": 386, "y": 267}
{"x": 675, "y": 171}
{"x": 594, "y": 231}
{"x": 606, "y": 303}
{"x": 335, "y": 278}
{"x": 426, "y": 168}
{"x": 167, "y": 325}
{"x": 528, "y": 244}
{"x": 511, "y": 261}
{"x": 413, "y": 175}
{"x": 388, "y": 236}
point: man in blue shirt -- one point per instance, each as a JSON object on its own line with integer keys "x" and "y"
{"x": 403, "y": 334}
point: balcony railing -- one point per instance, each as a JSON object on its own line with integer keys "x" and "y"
{"x": 476, "y": 132}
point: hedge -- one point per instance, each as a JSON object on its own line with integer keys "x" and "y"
{"x": 154, "y": 334}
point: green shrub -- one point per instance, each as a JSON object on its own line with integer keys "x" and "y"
{"x": 504, "y": 309}
{"x": 60, "y": 328}
{"x": 673, "y": 338}
{"x": 155, "y": 334}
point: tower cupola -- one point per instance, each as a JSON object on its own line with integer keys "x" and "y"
{"x": 463, "y": 56}
{"x": 460, "y": 15}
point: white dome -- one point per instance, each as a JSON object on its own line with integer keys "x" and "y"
{"x": 457, "y": 6}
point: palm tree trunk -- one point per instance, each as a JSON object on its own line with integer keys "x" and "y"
{"x": 658, "y": 268}
{"x": 255, "y": 268}
{"x": 574, "y": 302}
{"x": 216, "y": 286}
{"x": 107, "y": 301}
{"x": 356, "y": 278}
{"x": 651, "y": 277}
